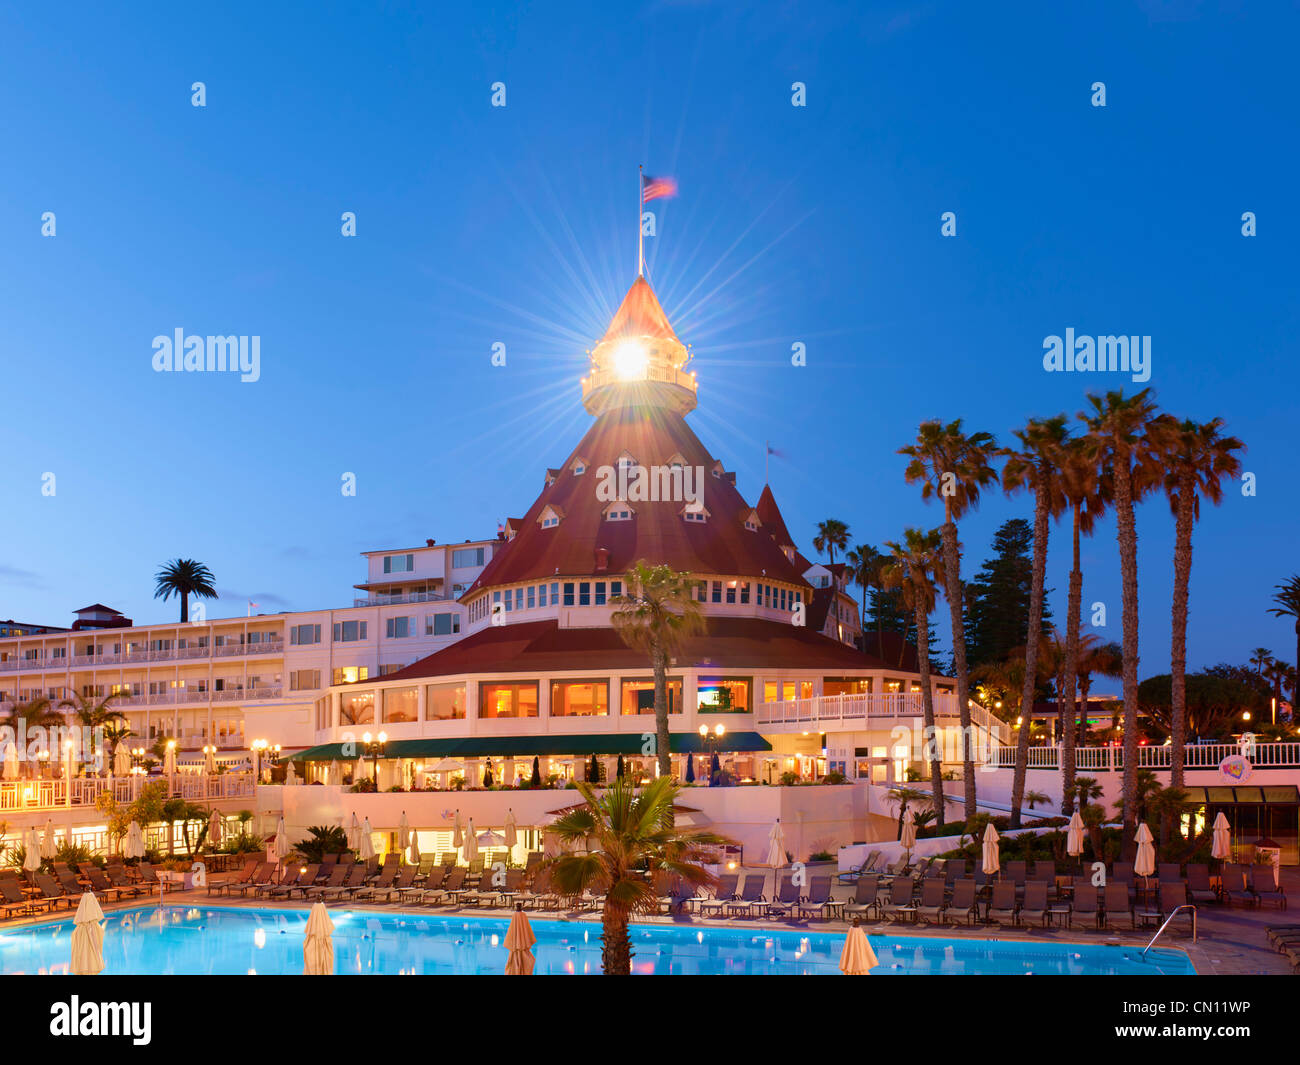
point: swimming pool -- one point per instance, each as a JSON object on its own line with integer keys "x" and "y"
{"x": 231, "y": 940}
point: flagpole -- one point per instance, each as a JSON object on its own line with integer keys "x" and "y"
{"x": 767, "y": 460}
{"x": 640, "y": 236}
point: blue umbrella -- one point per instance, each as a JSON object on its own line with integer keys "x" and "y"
{"x": 690, "y": 769}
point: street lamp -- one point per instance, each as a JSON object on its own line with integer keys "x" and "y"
{"x": 709, "y": 739}
{"x": 374, "y": 747}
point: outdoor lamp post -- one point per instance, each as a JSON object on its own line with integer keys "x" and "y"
{"x": 710, "y": 739}
{"x": 257, "y": 747}
{"x": 374, "y": 747}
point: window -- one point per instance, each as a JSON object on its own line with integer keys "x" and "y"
{"x": 444, "y": 702}
{"x": 304, "y": 680}
{"x": 695, "y": 515}
{"x": 584, "y": 593}
{"x": 600, "y": 593}
{"x": 401, "y": 704}
{"x": 579, "y": 468}
{"x": 555, "y": 593}
{"x": 399, "y": 628}
{"x": 846, "y": 685}
{"x": 517, "y": 699}
{"x": 323, "y": 710}
{"x": 441, "y": 624}
{"x": 717, "y": 591}
{"x": 638, "y": 696}
{"x": 615, "y": 589}
{"x": 532, "y": 596}
{"x": 731, "y": 591}
{"x": 580, "y": 698}
{"x": 519, "y": 599}
{"x": 357, "y": 708}
{"x": 399, "y": 563}
{"x": 744, "y": 591}
{"x": 568, "y": 593}
{"x": 467, "y": 557}
{"x": 541, "y": 595}
{"x": 724, "y": 695}
{"x": 349, "y": 631}
{"x": 351, "y": 674}
{"x": 303, "y": 634}
{"x": 618, "y": 514}
{"x": 391, "y": 667}
{"x": 550, "y": 521}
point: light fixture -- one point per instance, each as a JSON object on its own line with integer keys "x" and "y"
{"x": 630, "y": 360}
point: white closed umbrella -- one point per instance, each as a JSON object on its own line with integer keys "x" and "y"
{"x": 282, "y": 847}
{"x": 210, "y": 760}
{"x": 32, "y": 849}
{"x": 290, "y": 776}
{"x": 216, "y": 828}
{"x": 909, "y": 835}
{"x": 11, "y": 762}
{"x": 413, "y": 851}
{"x": 122, "y": 760}
{"x": 48, "y": 847}
{"x": 1074, "y": 836}
{"x": 471, "y": 843}
{"x": 1145, "y": 863}
{"x": 457, "y": 832}
{"x": 1222, "y": 839}
{"x": 169, "y": 760}
{"x": 366, "y": 850}
{"x": 776, "y": 845}
{"x": 359, "y": 771}
{"x": 992, "y": 860}
{"x": 318, "y": 943}
{"x": 403, "y": 831}
{"x": 857, "y": 958}
{"x": 134, "y": 841}
{"x": 512, "y": 835}
{"x": 88, "y": 937}
{"x": 354, "y": 833}
{"x": 519, "y": 941}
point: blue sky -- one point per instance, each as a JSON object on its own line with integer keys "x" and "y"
{"x": 479, "y": 225}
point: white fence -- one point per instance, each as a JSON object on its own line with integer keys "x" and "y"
{"x": 1198, "y": 756}
{"x": 28, "y": 795}
{"x": 862, "y": 709}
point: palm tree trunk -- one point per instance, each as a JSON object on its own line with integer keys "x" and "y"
{"x": 616, "y": 947}
{"x": 1127, "y": 525}
{"x": 1178, "y": 647}
{"x": 1085, "y": 686}
{"x": 662, "y": 738}
{"x": 1073, "y": 609}
{"x": 927, "y": 708}
{"x": 1031, "y": 654}
{"x": 952, "y": 582}
{"x": 185, "y": 606}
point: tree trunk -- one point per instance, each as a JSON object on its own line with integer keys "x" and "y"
{"x": 662, "y": 738}
{"x": 1178, "y": 646}
{"x": 616, "y": 947}
{"x": 1127, "y": 524}
{"x": 1073, "y": 619}
{"x": 1031, "y": 649}
{"x": 927, "y": 709}
{"x": 1085, "y": 686}
{"x": 952, "y": 582}
{"x": 185, "y": 606}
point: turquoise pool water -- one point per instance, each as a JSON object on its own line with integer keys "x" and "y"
{"x": 229, "y": 940}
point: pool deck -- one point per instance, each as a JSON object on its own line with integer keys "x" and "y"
{"x": 1231, "y": 941}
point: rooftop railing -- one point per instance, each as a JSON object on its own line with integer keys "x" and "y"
{"x": 19, "y": 796}
{"x": 861, "y": 708}
{"x": 408, "y": 597}
{"x": 173, "y": 654}
{"x": 1195, "y": 756}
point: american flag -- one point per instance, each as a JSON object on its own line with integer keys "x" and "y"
{"x": 652, "y": 188}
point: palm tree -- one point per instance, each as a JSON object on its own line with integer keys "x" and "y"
{"x": 953, "y": 466}
{"x": 916, "y": 565}
{"x": 1104, "y": 659}
{"x": 865, "y": 566}
{"x": 1286, "y": 597}
{"x": 94, "y": 716}
{"x": 903, "y": 797}
{"x": 1279, "y": 674}
{"x": 1117, "y": 427}
{"x": 24, "y": 718}
{"x": 1086, "y": 492}
{"x": 627, "y": 834}
{"x": 1086, "y": 789}
{"x": 1034, "y": 798}
{"x": 184, "y": 577}
{"x": 831, "y": 534}
{"x": 1035, "y": 468}
{"x": 1197, "y": 460}
{"x": 656, "y": 617}
{"x": 1260, "y": 657}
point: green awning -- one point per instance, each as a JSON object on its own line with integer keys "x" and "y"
{"x": 528, "y": 746}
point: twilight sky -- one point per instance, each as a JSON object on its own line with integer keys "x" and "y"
{"x": 479, "y": 225}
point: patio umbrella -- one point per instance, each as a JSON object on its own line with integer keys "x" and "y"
{"x": 216, "y": 828}
{"x": 403, "y": 831}
{"x": 1145, "y": 863}
{"x": 11, "y": 763}
{"x": 519, "y": 941}
{"x": 491, "y": 839}
{"x": 992, "y": 862}
{"x": 48, "y": 847}
{"x": 317, "y": 943}
{"x": 134, "y": 845}
{"x": 776, "y": 845}
{"x": 471, "y": 843}
{"x": 1222, "y": 846}
{"x": 354, "y": 834}
{"x": 282, "y": 847}
{"x": 690, "y": 769}
{"x": 457, "y": 833}
{"x": 536, "y": 779}
{"x": 857, "y": 958}
{"x": 512, "y": 836}
{"x": 413, "y": 851}
{"x": 359, "y": 771}
{"x": 32, "y": 847}
{"x": 169, "y": 760}
{"x": 210, "y": 761}
{"x": 88, "y": 937}
{"x": 1074, "y": 836}
{"x": 122, "y": 760}
{"x": 908, "y": 839}
{"x": 367, "y": 849}
{"x": 290, "y": 776}
{"x": 487, "y": 774}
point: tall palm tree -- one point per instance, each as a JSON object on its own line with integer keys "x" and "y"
{"x": 656, "y": 617}
{"x": 1286, "y": 600}
{"x": 915, "y": 567}
{"x": 625, "y": 834}
{"x": 25, "y": 717}
{"x": 1278, "y": 674}
{"x": 1260, "y": 657}
{"x": 831, "y": 534}
{"x": 184, "y": 577}
{"x": 1086, "y": 493}
{"x": 93, "y": 715}
{"x": 1117, "y": 426}
{"x": 865, "y": 566}
{"x": 954, "y": 466}
{"x": 1103, "y": 659}
{"x": 1035, "y": 467}
{"x": 1197, "y": 459}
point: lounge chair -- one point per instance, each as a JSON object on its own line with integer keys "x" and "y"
{"x": 1035, "y": 907}
{"x": 932, "y": 898}
{"x": 52, "y": 892}
{"x": 751, "y": 897}
{"x": 785, "y": 899}
{"x": 102, "y": 886}
{"x": 264, "y": 876}
{"x": 13, "y": 900}
{"x": 1235, "y": 888}
{"x": 866, "y": 897}
{"x": 405, "y": 881}
{"x": 955, "y": 869}
{"x": 381, "y": 884}
{"x": 1199, "y": 886}
{"x": 355, "y": 881}
{"x": 222, "y": 887}
{"x": 432, "y": 882}
{"x": 818, "y": 902}
{"x": 498, "y": 895}
{"x": 453, "y": 883}
{"x": 1265, "y": 888}
{"x": 724, "y": 893}
{"x": 899, "y": 904}
{"x": 679, "y": 895}
{"x": 1118, "y": 905}
{"x": 963, "y": 902}
{"x": 1172, "y": 895}
{"x": 1002, "y": 906}
{"x": 338, "y": 874}
{"x": 1169, "y": 873}
{"x": 538, "y": 893}
{"x": 1085, "y": 906}
{"x": 1017, "y": 872}
{"x": 301, "y": 880}
{"x": 69, "y": 880}
{"x": 854, "y": 875}
{"x": 116, "y": 875}
{"x": 148, "y": 877}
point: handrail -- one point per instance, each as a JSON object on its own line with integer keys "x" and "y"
{"x": 1177, "y": 909}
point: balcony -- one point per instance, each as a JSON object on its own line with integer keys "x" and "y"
{"x": 188, "y": 696}
{"x": 21, "y": 796}
{"x": 139, "y": 657}
{"x": 408, "y": 597}
{"x": 823, "y": 713}
{"x": 1195, "y": 756}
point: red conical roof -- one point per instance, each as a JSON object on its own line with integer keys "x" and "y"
{"x": 639, "y": 315}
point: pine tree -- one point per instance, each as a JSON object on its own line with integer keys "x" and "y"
{"x": 997, "y": 599}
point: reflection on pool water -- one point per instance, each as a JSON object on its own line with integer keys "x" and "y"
{"x": 229, "y": 940}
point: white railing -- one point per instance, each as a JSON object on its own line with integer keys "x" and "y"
{"x": 408, "y": 597}
{"x": 20, "y": 796}
{"x": 230, "y": 650}
{"x": 862, "y": 708}
{"x": 1195, "y": 756}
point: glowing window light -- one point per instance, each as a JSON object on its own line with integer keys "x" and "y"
{"x": 630, "y": 360}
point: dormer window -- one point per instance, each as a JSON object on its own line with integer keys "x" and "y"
{"x": 751, "y": 521}
{"x": 550, "y": 522}
{"x": 676, "y": 462}
{"x": 579, "y": 467}
{"x": 626, "y": 461}
{"x": 619, "y": 511}
{"x": 695, "y": 513}
{"x": 549, "y": 517}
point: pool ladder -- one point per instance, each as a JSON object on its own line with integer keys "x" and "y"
{"x": 1177, "y": 911}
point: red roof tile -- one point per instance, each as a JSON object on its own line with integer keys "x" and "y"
{"x": 639, "y": 315}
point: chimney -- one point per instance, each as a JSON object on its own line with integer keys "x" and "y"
{"x": 602, "y": 559}
{"x": 429, "y": 543}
